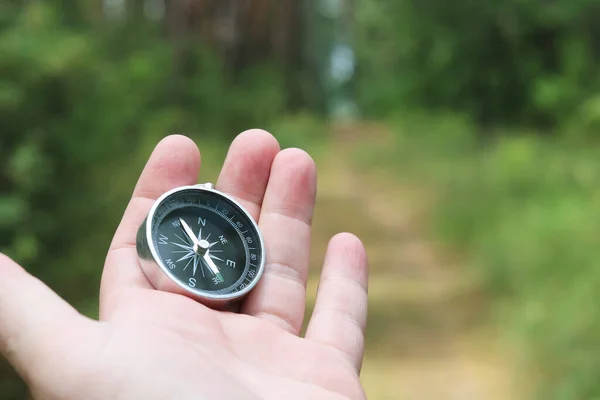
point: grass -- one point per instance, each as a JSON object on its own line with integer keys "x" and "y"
{"x": 524, "y": 212}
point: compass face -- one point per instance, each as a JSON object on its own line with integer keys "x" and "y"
{"x": 206, "y": 242}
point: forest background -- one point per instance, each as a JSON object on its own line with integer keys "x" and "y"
{"x": 493, "y": 109}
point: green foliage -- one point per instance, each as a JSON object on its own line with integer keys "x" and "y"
{"x": 82, "y": 104}
{"x": 300, "y": 130}
{"x": 511, "y": 62}
{"x": 522, "y": 207}
{"x": 524, "y": 212}
{"x": 84, "y": 101}
{"x": 71, "y": 99}
{"x": 528, "y": 213}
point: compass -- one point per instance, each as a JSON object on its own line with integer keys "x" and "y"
{"x": 200, "y": 242}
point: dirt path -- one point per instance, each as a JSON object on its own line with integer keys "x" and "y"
{"x": 424, "y": 339}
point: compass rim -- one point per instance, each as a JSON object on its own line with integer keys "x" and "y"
{"x": 172, "y": 277}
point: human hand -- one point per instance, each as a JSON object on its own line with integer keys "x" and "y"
{"x": 150, "y": 344}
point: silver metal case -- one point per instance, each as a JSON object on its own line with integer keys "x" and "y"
{"x": 161, "y": 277}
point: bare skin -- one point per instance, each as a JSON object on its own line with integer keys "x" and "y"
{"x": 155, "y": 345}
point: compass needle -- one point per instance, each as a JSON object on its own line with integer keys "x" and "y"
{"x": 182, "y": 239}
{"x": 188, "y": 231}
{"x": 176, "y": 234}
{"x": 211, "y": 264}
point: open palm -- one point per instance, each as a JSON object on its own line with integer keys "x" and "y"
{"x": 150, "y": 344}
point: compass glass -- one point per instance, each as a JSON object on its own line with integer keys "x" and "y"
{"x": 206, "y": 242}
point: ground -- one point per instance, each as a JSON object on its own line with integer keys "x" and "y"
{"x": 426, "y": 335}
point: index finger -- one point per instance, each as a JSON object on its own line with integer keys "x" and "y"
{"x": 174, "y": 162}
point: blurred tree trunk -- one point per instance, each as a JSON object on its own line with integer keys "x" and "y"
{"x": 135, "y": 10}
{"x": 242, "y": 32}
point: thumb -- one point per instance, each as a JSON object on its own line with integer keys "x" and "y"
{"x": 34, "y": 321}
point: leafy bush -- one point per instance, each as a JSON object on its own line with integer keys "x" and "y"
{"x": 524, "y": 211}
{"x": 529, "y": 216}
{"x": 511, "y": 62}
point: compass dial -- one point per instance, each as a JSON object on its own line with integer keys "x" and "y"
{"x": 206, "y": 242}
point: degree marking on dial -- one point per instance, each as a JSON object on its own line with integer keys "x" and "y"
{"x": 216, "y": 211}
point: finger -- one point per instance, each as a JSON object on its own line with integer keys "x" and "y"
{"x": 340, "y": 313}
{"x": 285, "y": 221}
{"x": 34, "y": 321}
{"x": 247, "y": 167}
{"x": 174, "y": 162}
